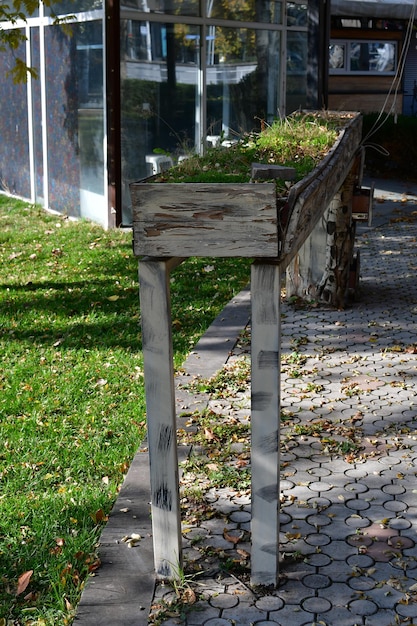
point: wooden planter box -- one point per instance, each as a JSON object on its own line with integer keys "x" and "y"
{"x": 239, "y": 219}
{"x": 172, "y": 221}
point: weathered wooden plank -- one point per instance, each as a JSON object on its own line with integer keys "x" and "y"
{"x": 320, "y": 268}
{"x": 333, "y": 285}
{"x": 203, "y": 219}
{"x": 305, "y": 270}
{"x": 161, "y": 419}
{"x": 265, "y": 420}
{"x": 308, "y": 200}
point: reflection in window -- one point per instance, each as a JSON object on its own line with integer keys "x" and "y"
{"x": 372, "y": 57}
{"x": 69, "y": 7}
{"x": 267, "y": 11}
{"x": 242, "y": 86}
{"x": 296, "y": 70}
{"x": 170, "y": 7}
{"x": 337, "y": 56}
{"x": 161, "y": 89}
{"x": 365, "y": 57}
{"x": 296, "y": 14}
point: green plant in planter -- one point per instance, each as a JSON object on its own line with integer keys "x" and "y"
{"x": 299, "y": 141}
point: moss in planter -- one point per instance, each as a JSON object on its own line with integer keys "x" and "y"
{"x": 299, "y": 141}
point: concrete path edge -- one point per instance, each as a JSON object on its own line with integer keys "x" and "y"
{"x": 120, "y": 592}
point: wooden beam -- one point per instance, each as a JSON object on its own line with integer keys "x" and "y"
{"x": 161, "y": 418}
{"x": 265, "y": 421}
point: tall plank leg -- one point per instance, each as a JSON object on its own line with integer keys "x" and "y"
{"x": 265, "y": 351}
{"x": 161, "y": 419}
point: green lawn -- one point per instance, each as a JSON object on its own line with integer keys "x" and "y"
{"x": 72, "y": 409}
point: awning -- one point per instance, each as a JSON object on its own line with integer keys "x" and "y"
{"x": 383, "y": 9}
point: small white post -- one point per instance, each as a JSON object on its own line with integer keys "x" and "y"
{"x": 265, "y": 355}
{"x": 161, "y": 418}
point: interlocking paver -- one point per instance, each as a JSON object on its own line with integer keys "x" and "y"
{"x": 200, "y": 611}
{"x": 291, "y": 614}
{"x": 381, "y": 618}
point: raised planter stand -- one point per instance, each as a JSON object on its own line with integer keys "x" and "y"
{"x": 173, "y": 221}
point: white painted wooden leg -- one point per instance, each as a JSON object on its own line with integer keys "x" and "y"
{"x": 161, "y": 419}
{"x": 265, "y": 420}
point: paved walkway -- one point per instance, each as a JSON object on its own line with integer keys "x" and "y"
{"x": 349, "y": 464}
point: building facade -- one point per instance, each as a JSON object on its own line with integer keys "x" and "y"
{"x": 373, "y": 56}
{"x": 124, "y": 90}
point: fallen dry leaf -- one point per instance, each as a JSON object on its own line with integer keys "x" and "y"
{"x": 232, "y": 538}
{"x": 209, "y": 435}
{"x": 23, "y": 581}
{"x": 29, "y": 597}
{"x": 243, "y": 553}
{"x": 189, "y": 596}
{"x": 99, "y": 516}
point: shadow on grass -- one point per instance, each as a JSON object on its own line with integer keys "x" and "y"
{"x": 94, "y": 315}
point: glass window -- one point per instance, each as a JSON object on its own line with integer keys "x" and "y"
{"x": 160, "y": 95}
{"x": 337, "y": 54}
{"x": 170, "y": 7}
{"x": 242, "y": 81}
{"x": 162, "y": 99}
{"x": 296, "y": 14}
{"x": 70, "y": 7}
{"x": 14, "y": 153}
{"x": 89, "y": 72}
{"x": 74, "y": 81}
{"x": 363, "y": 57}
{"x": 61, "y": 88}
{"x": 268, "y": 11}
{"x": 296, "y": 71}
{"x": 372, "y": 57}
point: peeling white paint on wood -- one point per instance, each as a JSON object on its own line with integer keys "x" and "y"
{"x": 161, "y": 417}
{"x": 265, "y": 421}
{"x": 205, "y": 219}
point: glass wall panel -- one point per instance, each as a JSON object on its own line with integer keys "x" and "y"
{"x": 74, "y": 81}
{"x": 62, "y": 121}
{"x": 14, "y": 150}
{"x": 37, "y": 119}
{"x": 160, "y": 97}
{"x": 170, "y": 7}
{"x": 296, "y": 71}
{"x": 242, "y": 81}
{"x": 89, "y": 71}
{"x": 71, "y": 7}
{"x": 269, "y": 11}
